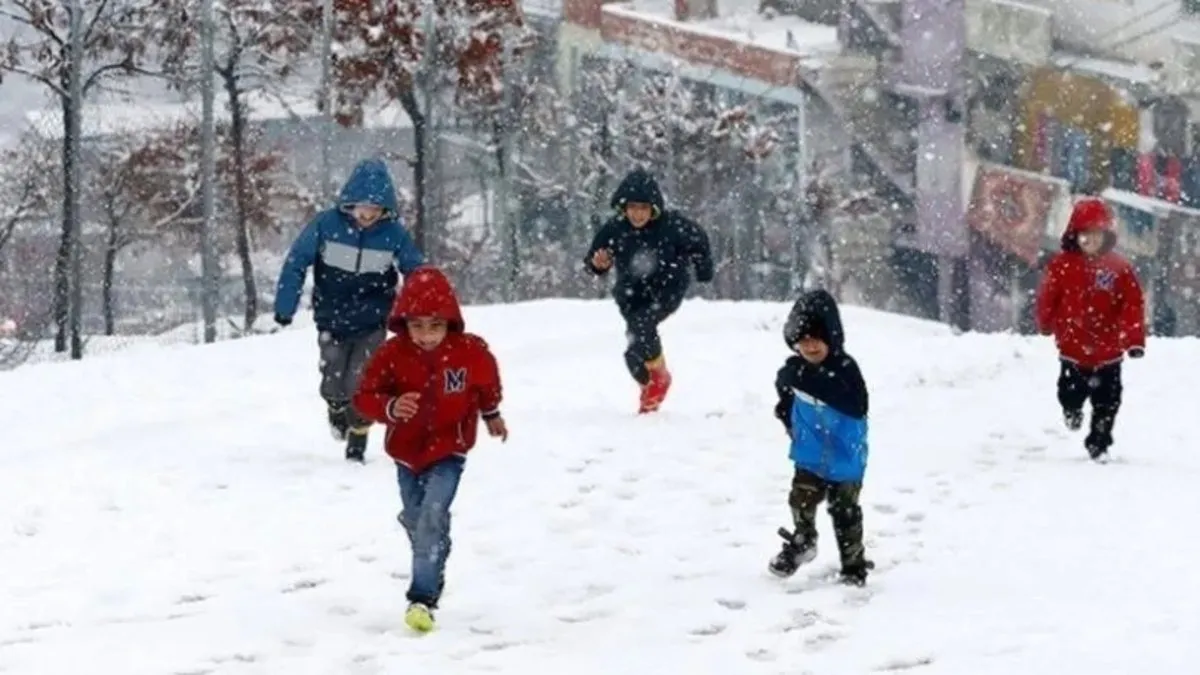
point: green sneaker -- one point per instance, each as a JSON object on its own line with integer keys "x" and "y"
{"x": 419, "y": 618}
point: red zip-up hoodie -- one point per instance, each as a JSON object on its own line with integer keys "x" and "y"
{"x": 459, "y": 380}
{"x": 1093, "y": 305}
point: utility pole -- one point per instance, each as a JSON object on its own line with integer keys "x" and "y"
{"x": 326, "y": 98}
{"x": 502, "y": 200}
{"x": 74, "y": 111}
{"x": 209, "y": 291}
{"x": 428, "y": 85}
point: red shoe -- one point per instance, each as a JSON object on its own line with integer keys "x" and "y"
{"x": 655, "y": 391}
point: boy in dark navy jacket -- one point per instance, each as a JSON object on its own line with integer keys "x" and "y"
{"x": 823, "y": 406}
{"x": 654, "y": 251}
{"x": 355, "y": 250}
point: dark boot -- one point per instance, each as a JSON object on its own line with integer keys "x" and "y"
{"x": 797, "y": 551}
{"x": 356, "y": 444}
{"x": 339, "y": 420}
{"x": 1100, "y": 439}
{"x": 847, "y": 517}
{"x": 855, "y": 574}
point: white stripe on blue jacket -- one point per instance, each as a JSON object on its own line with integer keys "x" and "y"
{"x": 826, "y": 442}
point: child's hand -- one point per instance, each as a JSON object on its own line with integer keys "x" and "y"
{"x": 602, "y": 259}
{"x": 404, "y": 406}
{"x": 497, "y": 428}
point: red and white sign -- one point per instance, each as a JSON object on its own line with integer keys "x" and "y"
{"x": 1011, "y": 210}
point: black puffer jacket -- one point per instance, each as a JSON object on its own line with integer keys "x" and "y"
{"x": 654, "y": 261}
{"x": 836, "y": 381}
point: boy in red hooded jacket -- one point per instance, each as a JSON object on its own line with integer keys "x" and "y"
{"x": 1092, "y": 303}
{"x": 429, "y": 384}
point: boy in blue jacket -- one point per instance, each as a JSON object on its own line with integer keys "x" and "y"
{"x": 355, "y": 249}
{"x": 823, "y": 406}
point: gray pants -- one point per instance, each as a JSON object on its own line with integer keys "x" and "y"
{"x": 342, "y": 363}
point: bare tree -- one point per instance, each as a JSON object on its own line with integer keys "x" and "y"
{"x": 140, "y": 196}
{"x": 258, "y": 43}
{"x": 25, "y": 192}
{"x": 28, "y": 191}
{"x": 416, "y": 53}
{"x": 110, "y": 41}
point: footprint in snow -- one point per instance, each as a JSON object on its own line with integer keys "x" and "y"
{"x": 709, "y": 630}
{"x": 191, "y": 599}
{"x": 761, "y": 655}
{"x": 905, "y": 664}
{"x": 728, "y": 603}
{"x": 586, "y": 616}
{"x": 302, "y": 585}
{"x": 823, "y": 640}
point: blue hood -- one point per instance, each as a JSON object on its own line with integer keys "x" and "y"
{"x": 370, "y": 183}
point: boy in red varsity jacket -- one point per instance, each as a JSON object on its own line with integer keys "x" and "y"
{"x": 1091, "y": 302}
{"x": 429, "y": 384}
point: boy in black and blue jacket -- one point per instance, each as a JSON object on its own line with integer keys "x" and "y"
{"x": 823, "y": 406}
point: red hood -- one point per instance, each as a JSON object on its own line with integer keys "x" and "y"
{"x": 1089, "y": 213}
{"x": 426, "y": 292}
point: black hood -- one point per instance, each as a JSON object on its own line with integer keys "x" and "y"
{"x": 815, "y": 314}
{"x": 639, "y": 186}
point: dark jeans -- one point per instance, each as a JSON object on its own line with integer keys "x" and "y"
{"x": 1102, "y": 386}
{"x": 808, "y": 491}
{"x": 641, "y": 330}
{"x": 427, "y": 497}
{"x": 342, "y": 363}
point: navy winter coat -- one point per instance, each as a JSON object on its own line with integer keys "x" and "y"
{"x": 354, "y": 268}
{"x": 655, "y": 261}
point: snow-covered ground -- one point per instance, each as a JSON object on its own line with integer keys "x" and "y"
{"x": 182, "y": 510}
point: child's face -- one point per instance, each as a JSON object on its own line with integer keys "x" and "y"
{"x": 427, "y": 332}
{"x": 638, "y": 213}
{"x": 812, "y": 349}
{"x": 1091, "y": 241}
{"x": 366, "y": 214}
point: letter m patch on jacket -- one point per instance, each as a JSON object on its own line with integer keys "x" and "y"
{"x": 456, "y": 380}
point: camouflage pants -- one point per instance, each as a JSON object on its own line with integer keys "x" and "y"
{"x": 808, "y": 491}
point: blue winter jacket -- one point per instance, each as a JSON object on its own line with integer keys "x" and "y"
{"x": 823, "y": 405}
{"x": 828, "y": 443}
{"x": 354, "y": 268}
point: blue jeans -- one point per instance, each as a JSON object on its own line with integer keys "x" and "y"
{"x": 426, "y": 497}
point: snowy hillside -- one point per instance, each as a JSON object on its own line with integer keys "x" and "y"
{"x": 182, "y": 510}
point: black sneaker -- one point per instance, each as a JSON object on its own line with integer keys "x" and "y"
{"x": 1098, "y": 454}
{"x": 1073, "y": 419}
{"x": 356, "y": 446}
{"x": 339, "y": 421}
{"x": 792, "y": 557}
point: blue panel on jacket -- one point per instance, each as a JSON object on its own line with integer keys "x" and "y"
{"x": 826, "y": 442}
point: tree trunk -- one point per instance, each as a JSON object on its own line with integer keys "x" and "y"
{"x": 106, "y": 288}
{"x": 408, "y": 101}
{"x": 62, "y": 259}
{"x": 237, "y": 115}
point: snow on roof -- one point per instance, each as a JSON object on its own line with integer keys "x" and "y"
{"x": 118, "y": 118}
{"x": 742, "y": 23}
{"x": 1158, "y": 207}
{"x": 1135, "y": 73}
{"x": 553, "y": 8}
